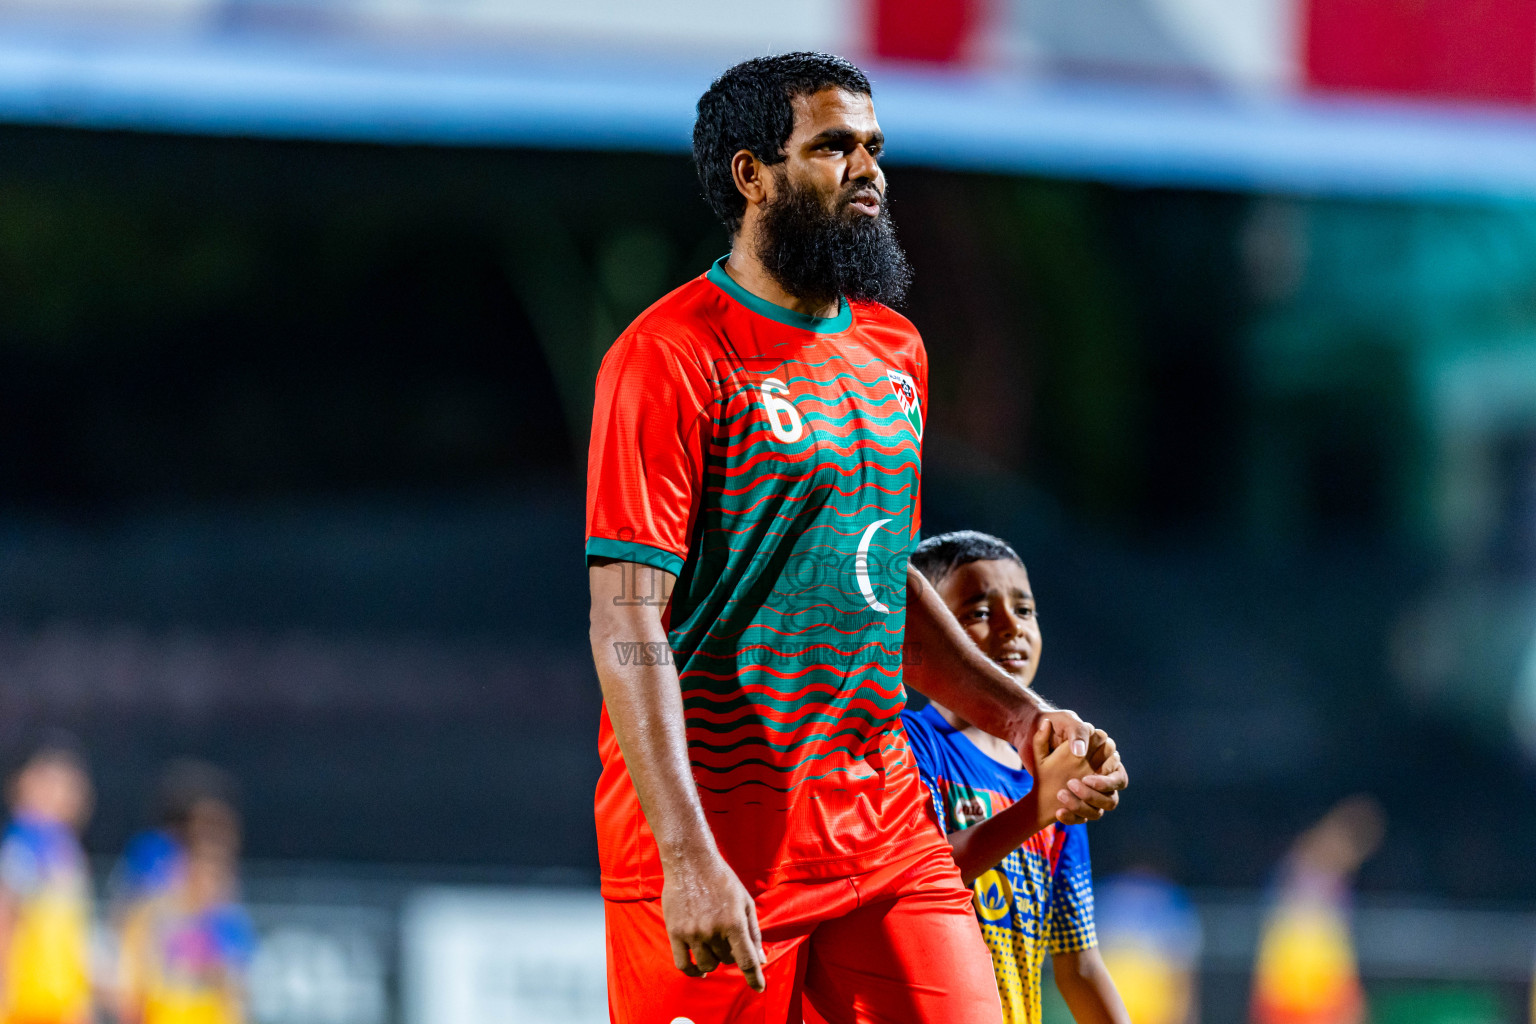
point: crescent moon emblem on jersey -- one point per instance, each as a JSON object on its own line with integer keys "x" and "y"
{"x": 861, "y": 567}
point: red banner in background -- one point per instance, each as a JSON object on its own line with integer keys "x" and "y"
{"x": 1439, "y": 49}
{"x": 931, "y": 31}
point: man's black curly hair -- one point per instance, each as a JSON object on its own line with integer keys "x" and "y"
{"x": 749, "y": 108}
{"x": 937, "y": 557}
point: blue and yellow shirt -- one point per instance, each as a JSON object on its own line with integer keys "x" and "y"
{"x": 151, "y": 865}
{"x": 46, "y": 976}
{"x": 1150, "y": 938}
{"x": 1306, "y": 971}
{"x": 186, "y": 966}
{"x": 1040, "y": 898}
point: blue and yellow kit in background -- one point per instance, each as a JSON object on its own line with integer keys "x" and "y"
{"x": 186, "y": 965}
{"x": 1039, "y": 900}
{"x": 46, "y": 971}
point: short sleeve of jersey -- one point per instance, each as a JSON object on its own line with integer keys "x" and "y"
{"x": 1069, "y": 929}
{"x": 645, "y": 461}
{"x": 21, "y": 864}
{"x": 234, "y": 935}
{"x": 922, "y": 741}
{"x": 149, "y": 865}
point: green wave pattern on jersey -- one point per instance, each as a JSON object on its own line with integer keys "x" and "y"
{"x": 789, "y": 672}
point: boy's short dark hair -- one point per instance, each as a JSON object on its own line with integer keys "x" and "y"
{"x": 749, "y": 108}
{"x": 185, "y": 783}
{"x": 937, "y": 557}
{"x": 48, "y": 746}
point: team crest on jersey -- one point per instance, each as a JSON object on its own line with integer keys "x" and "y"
{"x": 993, "y": 896}
{"x": 906, "y": 393}
{"x": 969, "y": 807}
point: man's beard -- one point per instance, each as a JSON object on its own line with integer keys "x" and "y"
{"x": 817, "y": 254}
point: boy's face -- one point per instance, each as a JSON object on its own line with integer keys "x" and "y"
{"x": 213, "y": 823}
{"x": 995, "y": 606}
{"x": 210, "y": 874}
{"x": 55, "y": 790}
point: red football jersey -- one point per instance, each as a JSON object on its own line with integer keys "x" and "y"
{"x": 770, "y": 460}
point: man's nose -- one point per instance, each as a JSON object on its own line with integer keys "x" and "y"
{"x": 862, "y": 166}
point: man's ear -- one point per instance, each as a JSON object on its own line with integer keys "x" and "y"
{"x": 750, "y": 175}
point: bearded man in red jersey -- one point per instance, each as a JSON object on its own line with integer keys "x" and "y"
{"x": 767, "y": 849}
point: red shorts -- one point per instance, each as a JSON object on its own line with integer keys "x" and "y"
{"x": 899, "y": 945}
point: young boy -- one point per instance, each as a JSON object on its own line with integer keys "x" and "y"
{"x": 45, "y": 891}
{"x": 186, "y": 943}
{"x": 192, "y": 797}
{"x": 1030, "y": 874}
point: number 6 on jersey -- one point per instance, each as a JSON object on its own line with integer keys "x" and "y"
{"x": 783, "y": 418}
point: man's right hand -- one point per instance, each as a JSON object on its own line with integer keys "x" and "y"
{"x": 709, "y": 916}
{"x": 711, "y": 920}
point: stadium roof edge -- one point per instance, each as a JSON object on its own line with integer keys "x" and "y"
{"x": 286, "y": 88}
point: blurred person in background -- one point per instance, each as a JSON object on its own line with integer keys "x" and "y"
{"x": 1030, "y": 873}
{"x": 1306, "y": 972}
{"x": 191, "y": 796}
{"x": 185, "y": 942}
{"x": 45, "y": 890}
{"x": 1150, "y": 939}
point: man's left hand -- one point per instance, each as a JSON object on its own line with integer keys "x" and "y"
{"x": 1091, "y": 797}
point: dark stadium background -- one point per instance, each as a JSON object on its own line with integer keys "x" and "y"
{"x": 293, "y": 396}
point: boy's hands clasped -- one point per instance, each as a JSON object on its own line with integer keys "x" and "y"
{"x": 1077, "y": 780}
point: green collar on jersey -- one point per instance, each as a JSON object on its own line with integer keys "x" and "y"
{"x": 762, "y": 307}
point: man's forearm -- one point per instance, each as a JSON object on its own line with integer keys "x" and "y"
{"x": 710, "y": 917}
{"x": 645, "y": 706}
{"x": 949, "y": 668}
